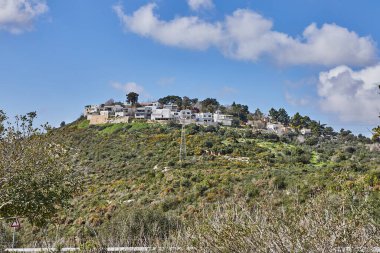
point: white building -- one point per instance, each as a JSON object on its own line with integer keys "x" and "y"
{"x": 204, "y": 117}
{"x": 143, "y": 112}
{"x": 274, "y": 127}
{"x": 156, "y": 104}
{"x": 113, "y": 108}
{"x": 224, "y": 119}
{"x": 106, "y": 113}
{"x": 305, "y": 131}
{"x": 171, "y": 107}
{"x": 121, "y": 113}
{"x": 185, "y": 114}
{"x": 91, "y": 109}
{"x": 175, "y": 115}
{"x": 162, "y": 114}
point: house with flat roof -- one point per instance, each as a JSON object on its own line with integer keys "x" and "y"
{"x": 162, "y": 114}
{"x": 224, "y": 119}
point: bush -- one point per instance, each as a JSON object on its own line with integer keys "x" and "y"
{"x": 318, "y": 226}
{"x": 138, "y": 227}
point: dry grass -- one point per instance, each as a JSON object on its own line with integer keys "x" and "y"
{"x": 327, "y": 224}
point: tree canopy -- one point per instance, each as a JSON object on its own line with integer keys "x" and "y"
{"x": 35, "y": 179}
{"x": 239, "y": 111}
{"x": 376, "y": 131}
{"x": 132, "y": 97}
{"x": 171, "y": 99}
{"x": 280, "y": 116}
{"x": 257, "y": 115}
{"x": 210, "y": 105}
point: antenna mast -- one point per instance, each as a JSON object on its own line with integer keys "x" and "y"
{"x": 182, "y": 148}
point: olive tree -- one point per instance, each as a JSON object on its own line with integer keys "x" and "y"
{"x": 35, "y": 177}
{"x": 376, "y": 131}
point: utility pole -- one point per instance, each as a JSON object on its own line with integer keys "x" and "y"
{"x": 182, "y": 148}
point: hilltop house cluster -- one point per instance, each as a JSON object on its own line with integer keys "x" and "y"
{"x": 123, "y": 112}
{"x": 156, "y": 112}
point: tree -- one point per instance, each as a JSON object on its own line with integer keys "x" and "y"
{"x": 210, "y": 105}
{"x": 328, "y": 131}
{"x": 35, "y": 178}
{"x": 257, "y": 115}
{"x": 186, "y": 102}
{"x": 376, "y": 134}
{"x": 132, "y": 98}
{"x": 194, "y": 101}
{"x": 171, "y": 99}
{"x": 273, "y": 114}
{"x": 109, "y": 102}
{"x": 283, "y": 117}
{"x": 239, "y": 111}
{"x": 376, "y": 131}
{"x": 317, "y": 128}
{"x": 62, "y": 124}
{"x": 296, "y": 121}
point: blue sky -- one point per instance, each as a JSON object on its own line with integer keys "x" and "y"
{"x": 57, "y": 56}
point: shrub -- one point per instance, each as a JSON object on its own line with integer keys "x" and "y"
{"x": 138, "y": 227}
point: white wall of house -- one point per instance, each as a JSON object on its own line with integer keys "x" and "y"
{"x": 224, "y": 119}
{"x": 172, "y": 107}
{"x": 305, "y": 131}
{"x": 162, "y": 114}
{"x": 175, "y": 115}
{"x": 105, "y": 113}
{"x": 143, "y": 112}
{"x": 274, "y": 126}
{"x": 121, "y": 114}
{"x": 90, "y": 109}
{"x": 204, "y": 117}
{"x": 185, "y": 114}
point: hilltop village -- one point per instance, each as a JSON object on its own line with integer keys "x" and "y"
{"x": 192, "y": 111}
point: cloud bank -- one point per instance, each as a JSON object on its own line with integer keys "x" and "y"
{"x": 17, "y": 16}
{"x": 351, "y": 95}
{"x": 247, "y": 35}
{"x": 200, "y": 4}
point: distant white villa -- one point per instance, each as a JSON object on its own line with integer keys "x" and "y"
{"x": 224, "y": 119}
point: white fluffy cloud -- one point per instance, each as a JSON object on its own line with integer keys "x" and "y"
{"x": 351, "y": 95}
{"x": 131, "y": 87}
{"x": 200, "y": 4}
{"x": 247, "y": 35}
{"x": 17, "y": 16}
{"x": 187, "y": 32}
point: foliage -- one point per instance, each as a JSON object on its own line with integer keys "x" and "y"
{"x": 376, "y": 133}
{"x": 210, "y": 105}
{"x": 35, "y": 179}
{"x": 331, "y": 223}
{"x": 109, "y": 102}
{"x": 239, "y": 111}
{"x": 84, "y": 124}
{"x": 280, "y": 116}
{"x": 141, "y": 226}
{"x": 135, "y": 166}
{"x": 132, "y": 97}
{"x": 257, "y": 115}
{"x": 171, "y": 100}
{"x": 188, "y": 103}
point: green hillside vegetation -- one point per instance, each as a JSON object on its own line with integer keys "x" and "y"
{"x": 132, "y": 181}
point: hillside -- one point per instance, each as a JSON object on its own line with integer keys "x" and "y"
{"x": 129, "y": 168}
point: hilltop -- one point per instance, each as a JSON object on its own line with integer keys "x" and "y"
{"x": 134, "y": 167}
{"x": 207, "y": 112}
